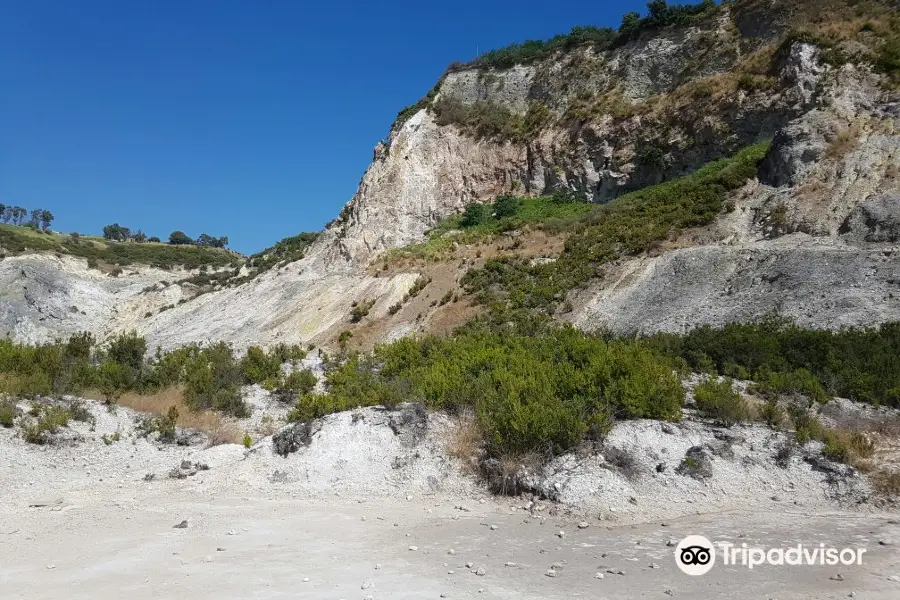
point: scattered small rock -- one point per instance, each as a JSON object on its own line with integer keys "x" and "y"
{"x": 481, "y": 572}
{"x": 598, "y": 575}
{"x": 561, "y": 534}
{"x": 493, "y": 528}
{"x": 451, "y": 551}
{"x": 187, "y": 469}
{"x": 583, "y": 525}
{"x": 550, "y": 573}
{"x": 837, "y": 577}
{"x": 368, "y": 583}
{"x": 511, "y": 564}
{"x": 413, "y": 548}
{"x": 182, "y": 525}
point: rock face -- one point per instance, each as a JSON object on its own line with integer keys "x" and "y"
{"x": 815, "y": 241}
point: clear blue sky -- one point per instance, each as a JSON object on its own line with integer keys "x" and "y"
{"x": 251, "y": 119}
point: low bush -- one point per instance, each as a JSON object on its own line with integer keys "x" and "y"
{"x": 806, "y": 426}
{"x": 887, "y": 483}
{"x": 163, "y": 425}
{"x": 213, "y": 381}
{"x": 8, "y": 413}
{"x": 361, "y": 310}
{"x": 258, "y": 367}
{"x": 718, "y": 400}
{"x": 846, "y": 446}
{"x": 302, "y": 381}
{"x": 49, "y": 419}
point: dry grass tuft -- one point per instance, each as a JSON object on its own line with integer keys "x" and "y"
{"x": 844, "y": 142}
{"x": 219, "y": 430}
{"x": 887, "y": 483}
{"x": 465, "y": 442}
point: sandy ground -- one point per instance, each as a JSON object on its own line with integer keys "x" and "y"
{"x": 288, "y": 547}
{"x": 88, "y": 518}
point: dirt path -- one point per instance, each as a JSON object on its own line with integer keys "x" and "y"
{"x": 292, "y": 548}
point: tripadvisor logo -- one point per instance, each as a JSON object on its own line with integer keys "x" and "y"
{"x": 696, "y": 555}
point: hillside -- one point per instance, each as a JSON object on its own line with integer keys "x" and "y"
{"x": 594, "y": 116}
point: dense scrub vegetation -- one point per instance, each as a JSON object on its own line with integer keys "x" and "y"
{"x": 17, "y": 240}
{"x": 860, "y": 364}
{"x": 659, "y": 14}
{"x": 542, "y": 394}
{"x": 210, "y": 375}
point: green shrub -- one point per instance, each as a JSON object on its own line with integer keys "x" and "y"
{"x": 718, "y": 400}
{"x": 313, "y": 406}
{"x": 114, "y": 379}
{"x": 344, "y": 339}
{"x": 418, "y": 285}
{"x": 258, "y": 367}
{"x": 127, "y": 349}
{"x": 302, "y": 382}
{"x": 8, "y": 413}
{"x": 475, "y": 214}
{"x": 289, "y": 353}
{"x": 213, "y": 380}
{"x": 806, "y": 426}
{"x": 772, "y": 414}
{"x": 247, "y": 441}
{"x": 49, "y": 420}
{"x": 361, "y": 310}
{"x": 506, "y": 206}
{"x": 846, "y": 446}
{"x": 285, "y": 251}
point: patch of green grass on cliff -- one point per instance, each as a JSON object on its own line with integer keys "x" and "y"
{"x": 483, "y": 222}
{"x": 16, "y": 239}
